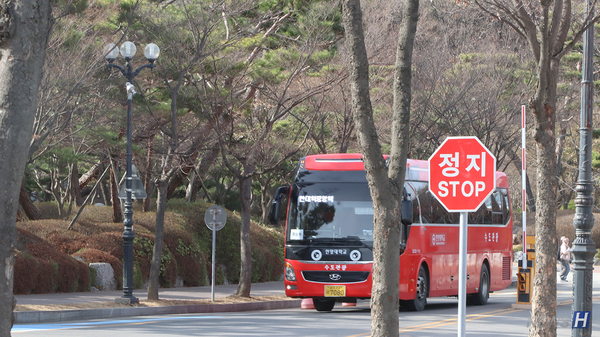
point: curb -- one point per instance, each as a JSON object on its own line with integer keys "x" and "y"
{"x": 27, "y": 317}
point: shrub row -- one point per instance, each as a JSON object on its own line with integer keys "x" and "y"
{"x": 186, "y": 253}
{"x": 41, "y": 268}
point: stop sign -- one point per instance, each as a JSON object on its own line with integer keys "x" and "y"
{"x": 462, "y": 174}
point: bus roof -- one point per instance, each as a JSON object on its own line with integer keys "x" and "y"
{"x": 417, "y": 169}
{"x": 347, "y": 162}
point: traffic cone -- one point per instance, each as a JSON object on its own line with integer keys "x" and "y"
{"x": 348, "y": 304}
{"x": 307, "y": 303}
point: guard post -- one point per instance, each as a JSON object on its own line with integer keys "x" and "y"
{"x": 525, "y": 275}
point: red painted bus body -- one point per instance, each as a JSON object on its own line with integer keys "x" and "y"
{"x": 329, "y": 226}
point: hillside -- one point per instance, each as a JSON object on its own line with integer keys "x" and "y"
{"x": 47, "y": 253}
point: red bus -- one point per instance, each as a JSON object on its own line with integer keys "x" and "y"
{"x": 329, "y": 236}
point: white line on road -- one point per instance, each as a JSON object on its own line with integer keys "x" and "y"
{"x": 62, "y": 326}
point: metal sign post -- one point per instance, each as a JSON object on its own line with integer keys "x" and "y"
{"x": 524, "y": 184}
{"x": 215, "y": 218}
{"x": 462, "y": 273}
{"x": 462, "y": 175}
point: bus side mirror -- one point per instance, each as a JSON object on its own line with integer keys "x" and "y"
{"x": 407, "y": 211}
{"x": 407, "y": 216}
{"x": 276, "y": 204}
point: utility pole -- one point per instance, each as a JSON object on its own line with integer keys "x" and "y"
{"x": 584, "y": 248}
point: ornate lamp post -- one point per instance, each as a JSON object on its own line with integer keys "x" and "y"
{"x": 584, "y": 248}
{"x": 128, "y": 51}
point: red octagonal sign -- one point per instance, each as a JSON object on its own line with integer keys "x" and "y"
{"x": 462, "y": 174}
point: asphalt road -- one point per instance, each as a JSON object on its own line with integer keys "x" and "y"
{"x": 497, "y": 318}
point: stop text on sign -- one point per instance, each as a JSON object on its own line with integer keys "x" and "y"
{"x": 462, "y": 174}
{"x": 450, "y": 169}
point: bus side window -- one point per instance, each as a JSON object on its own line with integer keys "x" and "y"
{"x": 478, "y": 217}
{"x": 505, "y": 207}
{"x": 496, "y": 211}
{"x": 490, "y": 212}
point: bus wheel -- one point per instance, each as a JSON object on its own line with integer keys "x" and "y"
{"x": 482, "y": 296}
{"x": 420, "y": 300}
{"x": 323, "y": 304}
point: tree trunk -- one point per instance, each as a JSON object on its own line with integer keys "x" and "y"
{"x": 32, "y": 212}
{"x": 184, "y": 170}
{"x": 543, "y": 304}
{"x": 189, "y": 190}
{"x": 24, "y": 35}
{"x": 114, "y": 195}
{"x": 159, "y": 230}
{"x": 148, "y": 174}
{"x": 245, "y": 249}
{"x": 560, "y": 143}
{"x": 205, "y": 164}
{"x": 106, "y": 196}
{"x": 90, "y": 174}
{"x": 74, "y": 182}
{"x": 386, "y": 186}
{"x": 265, "y": 201}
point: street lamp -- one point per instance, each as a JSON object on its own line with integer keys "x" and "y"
{"x": 584, "y": 247}
{"x": 128, "y": 50}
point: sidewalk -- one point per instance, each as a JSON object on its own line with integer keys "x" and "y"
{"x": 182, "y": 294}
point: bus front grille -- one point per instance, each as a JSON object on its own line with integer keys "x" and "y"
{"x": 335, "y": 276}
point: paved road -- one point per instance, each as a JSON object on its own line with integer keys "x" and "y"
{"x": 439, "y": 319}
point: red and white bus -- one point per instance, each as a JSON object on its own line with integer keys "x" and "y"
{"x": 329, "y": 236}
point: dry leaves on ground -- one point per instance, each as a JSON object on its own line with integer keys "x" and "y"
{"x": 158, "y": 303}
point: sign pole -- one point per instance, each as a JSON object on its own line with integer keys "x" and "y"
{"x": 215, "y": 218}
{"x": 524, "y": 186}
{"x": 462, "y": 274}
{"x": 214, "y": 244}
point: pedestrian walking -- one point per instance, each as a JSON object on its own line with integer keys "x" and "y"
{"x": 565, "y": 258}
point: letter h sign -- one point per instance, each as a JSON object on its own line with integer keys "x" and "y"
{"x": 581, "y": 319}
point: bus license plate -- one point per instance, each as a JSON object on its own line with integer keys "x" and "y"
{"x": 335, "y": 291}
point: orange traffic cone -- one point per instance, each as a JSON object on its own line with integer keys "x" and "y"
{"x": 348, "y": 304}
{"x": 307, "y": 303}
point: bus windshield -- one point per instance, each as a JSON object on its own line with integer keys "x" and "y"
{"x": 330, "y": 212}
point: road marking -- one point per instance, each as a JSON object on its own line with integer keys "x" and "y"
{"x": 455, "y": 320}
{"x": 449, "y": 321}
{"x": 471, "y": 317}
{"x": 18, "y": 328}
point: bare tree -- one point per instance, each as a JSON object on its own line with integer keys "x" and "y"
{"x": 66, "y": 105}
{"x": 386, "y": 185}
{"x": 192, "y": 27}
{"x": 263, "y": 88}
{"x": 546, "y": 26}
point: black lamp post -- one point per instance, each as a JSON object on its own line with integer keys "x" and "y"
{"x": 584, "y": 247}
{"x": 128, "y": 51}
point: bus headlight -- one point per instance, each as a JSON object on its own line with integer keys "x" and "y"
{"x": 290, "y": 274}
